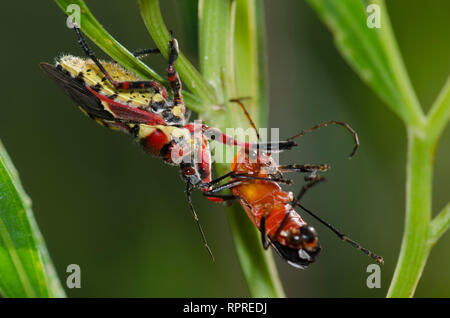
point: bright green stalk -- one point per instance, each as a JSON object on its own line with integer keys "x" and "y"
{"x": 374, "y": 55}
{"x": 231, "y": 48}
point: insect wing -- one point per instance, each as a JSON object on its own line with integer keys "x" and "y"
{"x": 96, "y": 104}
{"x": 77, "y": 91}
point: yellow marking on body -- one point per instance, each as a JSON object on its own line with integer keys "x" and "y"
{"x": 157, "y": 98}
{"x": 83, "y": 111}
{"x": 99, "y": 121}
{"x": 106, "y": 107}
{"x": 178, "y": 111}
{"x": 170, "y": 131}
{"x": 76, "y": 65}
{"x": 145, "y": 131}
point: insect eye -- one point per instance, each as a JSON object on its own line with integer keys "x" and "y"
{"x": 188, "y": 171}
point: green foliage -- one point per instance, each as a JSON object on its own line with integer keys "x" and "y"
{"x": 373, "y": 53}
{"x": 25, "y": 267}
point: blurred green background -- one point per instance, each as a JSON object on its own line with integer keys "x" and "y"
{"x": 121, "y": 215}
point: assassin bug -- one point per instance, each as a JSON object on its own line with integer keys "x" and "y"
{"x": 118, "y": 99}
{"x": 255, "y": 178}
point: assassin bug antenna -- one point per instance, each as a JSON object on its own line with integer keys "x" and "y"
{"x": 247, "y": 115}
{"x": 276, "y": 146}
{"x": 194, "y": 214}
{"x": 378, "y": 259}
{"x": 330, "y": 122}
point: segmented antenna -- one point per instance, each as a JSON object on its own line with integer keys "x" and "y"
{"x": 239, "y": 102}
{"x": 194, "y": 214}
{"x": 378, "y": 259}
{"x": 330, "y": 122}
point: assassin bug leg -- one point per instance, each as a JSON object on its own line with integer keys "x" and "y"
{"x": 289, "y": 143}
{"x": 223, "y": 187}
{"x": 143, "y": 53}
{"x": 313, "y": 180}
{"x": 304, "y": 168}
{"x": 194, "y": 214}
{"x": 224, "y": 197}
{"x": 248, "y": 177}
{"x": 172, "y": 74}
{"x": 241, "y": 178}
{"x": 119, "y": 85}
{"x": 262, "y": 229}
{"x": 344, "y": 237}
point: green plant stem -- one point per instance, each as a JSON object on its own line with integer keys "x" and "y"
{"x": 416, "y": 118}
{"x": 440, "y": 225}
{"x": 222, "y": 65}
{"x": 415, "y": 247}
{"x": 216, "y": 85}
{"x": 421, "y": 233}
{"x": 439, "y": 114}
{"x": 151, "y": 14}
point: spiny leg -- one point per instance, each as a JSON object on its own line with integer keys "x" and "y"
{"x": 172, "y": 74}
{"x": 312, "y": 179}
{"x": 344, "y": 237}
{"x": 303, "y": 168}
{"x": 224, "y": 197}
{"x": 262, "y": 230}
{"x": 240, "y": 179}
{"x": 143, "y": 53}
{"x": 231, "y": 141}
{"x": 126, "y": 85}
{"x": 194, "y": 214}
{"x": 215, "y": 134}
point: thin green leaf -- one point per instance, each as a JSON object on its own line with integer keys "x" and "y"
{"x": 250, "y": 57}
{"x": 25, "y": 267}
{"x": 228, "y": 61}
{"x": 95, "y": 31}
{"x": 439, "y": 114}
{"x": 373, "y": 54}
{"x": 151, "y": 14}
{"x": 216, "y": 58}
{"x": 440, "y": 224}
